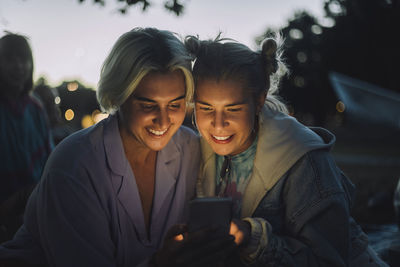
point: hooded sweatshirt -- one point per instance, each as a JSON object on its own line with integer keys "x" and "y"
{"x": 297, "y": 200}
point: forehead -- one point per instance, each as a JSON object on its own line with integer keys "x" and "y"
{"x": 222, "y": 92}
{"x": 159, "y": 86}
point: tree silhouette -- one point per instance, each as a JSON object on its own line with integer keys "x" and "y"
{"x": 361, "y": 41}
{"x": 170, "y": 5}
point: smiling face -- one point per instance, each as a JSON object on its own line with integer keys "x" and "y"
{"x": 155, "y": 111}
{"x": 225, "y": 115}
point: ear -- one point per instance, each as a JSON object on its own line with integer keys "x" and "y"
{"x": 260, "y": 100}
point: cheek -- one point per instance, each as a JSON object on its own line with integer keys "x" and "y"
{"x": 201, "y": 121}
{"x": 135, "y": 119}
{"x": 177, "y": 116}
{"x": 245, "y": 123}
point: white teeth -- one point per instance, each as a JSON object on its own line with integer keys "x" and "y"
{"x": 221, "y": 138}
{"x": 157, "y": 132}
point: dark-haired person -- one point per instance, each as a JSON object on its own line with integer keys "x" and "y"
{"x": 25, "y": 139}
{"x": 292, "y": 203}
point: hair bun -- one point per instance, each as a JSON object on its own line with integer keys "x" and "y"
{"x": 193, "y": 45}
{"x": 268, "y": 53}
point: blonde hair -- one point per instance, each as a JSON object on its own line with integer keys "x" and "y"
{"x": 133, "y": 56}
{"x": 226, "y": 59}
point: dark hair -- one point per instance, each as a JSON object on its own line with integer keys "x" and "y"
{"x": 226, "y": 59}
{"x": 18, "y": 45}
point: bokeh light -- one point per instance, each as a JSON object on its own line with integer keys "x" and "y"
{"x": 340, "y": 107}
{"x": 301, "y": 57}
{"x": 296, "y": 34}
{"x": 316, "y": 29}
{"x": 72, "y": 86}
{"x": 97, "y": 116}
{"x": 87, "y": 121}
{"x": 299, "y": 81}
{"x": 69, "y": 114}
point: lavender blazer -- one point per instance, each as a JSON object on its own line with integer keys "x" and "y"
{"x": 86, "y": 211}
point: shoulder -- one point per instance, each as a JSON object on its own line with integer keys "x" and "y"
{"x": 36, "y": 111}
{"x": 313, "y": 184}
{"x": 35, "y": 102}
{"x": 318, "y": 172}
{"x": 79, "y": 149}
{"x": 35, "y": 106}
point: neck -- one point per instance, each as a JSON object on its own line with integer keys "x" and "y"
{"x": 135, "y": 151}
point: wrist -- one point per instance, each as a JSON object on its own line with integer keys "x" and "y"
{"x": 258, "y": 239}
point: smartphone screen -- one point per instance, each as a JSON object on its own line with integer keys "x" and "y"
{"x": 211, "y": 211}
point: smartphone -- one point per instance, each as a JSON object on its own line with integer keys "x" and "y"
{"x": 210, "y": 211}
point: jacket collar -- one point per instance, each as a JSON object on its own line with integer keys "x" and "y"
{"x": 206, "y": 181}
{"x": 125, "y": 184}
{"x": 114, "y": 148}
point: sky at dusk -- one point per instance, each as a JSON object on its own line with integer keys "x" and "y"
{"x": 71, "y": 40}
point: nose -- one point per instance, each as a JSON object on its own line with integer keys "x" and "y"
{"x": 19, "y": 66}
{"x": 219, "y": 121}
{"x": 162, "y": 119}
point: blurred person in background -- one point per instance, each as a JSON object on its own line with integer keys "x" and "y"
{"x": 114, "y": 194}
{"x": 25, "y": 138}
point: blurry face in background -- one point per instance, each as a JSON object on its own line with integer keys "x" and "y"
{"x": 15, "y": 70}
{"x": 156, "y": 110}
{"x": 225, "y": 115}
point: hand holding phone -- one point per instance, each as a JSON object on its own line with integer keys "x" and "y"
{"x": 197, "y": 249}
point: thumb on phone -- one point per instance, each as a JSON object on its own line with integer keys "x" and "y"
{"x": 241, "y": 230}
{"x": 176, "y": 232}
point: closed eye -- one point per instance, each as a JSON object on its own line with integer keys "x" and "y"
{"x": 234, "y": 109}
{"x": 174, "y": 106}
{"x": 148, "y": 107}
{"x": 205, "y": 108}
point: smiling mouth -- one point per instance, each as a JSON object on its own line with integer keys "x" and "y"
{"x": 156, "y": 132}
{"x": 222, "y": 139}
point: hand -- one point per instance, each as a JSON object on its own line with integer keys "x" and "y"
{"x": 199, "y": 248}
{"x": 241, "y": 230}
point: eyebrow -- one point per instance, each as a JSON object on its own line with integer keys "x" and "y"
{"x": 229, "y": 105}
{"x": 145, "y": 99}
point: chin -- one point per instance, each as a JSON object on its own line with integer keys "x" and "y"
{"x": 221, "y": 151}
{"x": 159, "y": 145}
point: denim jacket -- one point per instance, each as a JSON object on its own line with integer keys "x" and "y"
{"x": 297, "y": 201}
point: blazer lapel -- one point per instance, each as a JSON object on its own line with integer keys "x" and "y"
{"x": 129, "y": 198}
{"x": 167, "y": 170}
{"x": 122, "y": 176}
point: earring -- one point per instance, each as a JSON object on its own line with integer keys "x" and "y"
{"x": 193, "y": 120}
